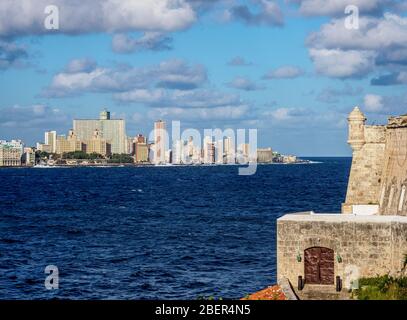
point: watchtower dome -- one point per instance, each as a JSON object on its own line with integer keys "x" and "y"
{"x": 356, "y": 122}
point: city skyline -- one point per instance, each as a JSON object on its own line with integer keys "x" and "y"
{"x": 107, "y": 137}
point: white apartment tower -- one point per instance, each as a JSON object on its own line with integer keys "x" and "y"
{"x": 50, "y": 140}
{"x": 159, "y": 142}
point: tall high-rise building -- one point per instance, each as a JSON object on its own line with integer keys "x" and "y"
{"x": 111, "y": 130}
{"x": 219, "y": 159}
{"x": 244, "y": 153}
{"x": 229, "y": 150}
{"x": 159, "y": 142}
{"x": 51, "y": 140}
{"x": 140, "y": 148}
{"x": 178, "y": 152}
{"x": 208, "y": 150}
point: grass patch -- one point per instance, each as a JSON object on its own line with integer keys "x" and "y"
{"x": 382, "y": 288}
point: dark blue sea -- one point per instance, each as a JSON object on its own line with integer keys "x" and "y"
{"x": 153, "y": 232}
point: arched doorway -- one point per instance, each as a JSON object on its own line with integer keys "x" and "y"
{"x": 319, "y": 265}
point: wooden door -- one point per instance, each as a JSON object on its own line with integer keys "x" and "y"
{"x": 319, "y": 265}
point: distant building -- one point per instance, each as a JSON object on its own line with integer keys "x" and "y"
{"x": 69, "y": 144}
{"x": 141, "y": 149}
{"x": 159, "y": 142}
{"x": 289, "y": 159}
{"x": 178, "y": 152}
{"x": 208, "y": 151}
{"x": 229, "y": 150}
{"x": 44, "y": 147}
{"x": 98, "y": 145}
{"x": 168, "y": 156}
{"x": 112, "y": 130}
{"x": 11, "y": 153}
{"x": 28, "y": 156}
{"x": 244, "y": 152}
{"x": 50, "y": 140}
{"x": 265, "y": 155}
{"x": 219, "y": 154}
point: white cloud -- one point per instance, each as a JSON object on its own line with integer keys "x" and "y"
{"x": 285, "y": 72}
{"x": 243, "y": 83}
{"x": 390, "y": 31}
{"x": 336, "y": 7}
{"x": 342, "y": 64}
{"x": 11, "y": 55}
{"x": 379, "y": 42}
{"x": 239, "y": 61}
{"x": 373, "y": 103}
{"x": 33, "y": 116}
{"x": 269, "y": 13}
{"x": 155, "y": 41}
{"x": 198, "y": 98}
{"x": 78, "y": 16}
{"x": 202, "y": 114}
{"x": 82, "y": 76}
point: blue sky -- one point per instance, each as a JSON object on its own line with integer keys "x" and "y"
{"x": 288, "y": 68}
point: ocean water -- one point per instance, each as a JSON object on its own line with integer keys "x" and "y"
{"x": 153, "y": 232}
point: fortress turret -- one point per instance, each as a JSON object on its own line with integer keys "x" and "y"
{"x": 356, "y": 122}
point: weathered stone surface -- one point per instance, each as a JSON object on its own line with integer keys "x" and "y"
{"x": 369, "y": 245}
{"x": 379, "y": 165}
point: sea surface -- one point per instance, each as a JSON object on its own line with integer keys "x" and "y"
{"x": 153, "y": 232}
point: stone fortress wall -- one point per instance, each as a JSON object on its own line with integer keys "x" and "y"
{"x": 379, "y": 166}
{"x": 364, "y": 246}
{"x": 369, "y": 237}
{"x": 393, "y": 197}
{"x": 367, "y": 168}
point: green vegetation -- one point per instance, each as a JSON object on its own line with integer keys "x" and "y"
{"x": 382, "y": 288}
{"x": 45, "y": 155}
{"x": 121, "y": 158}
{"x": 82, "y": 155}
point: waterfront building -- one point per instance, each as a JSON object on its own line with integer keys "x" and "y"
{"x": 50, "y": 140}
{"x": 11, "y": 153}
{"x": 321, "y": 253}
{"x": 264, "y": 155}
{"x": 98, "y": 145}
{"x": 141, "y": 153}
{"x": 69, "y": 144}
{"x": 168, "y": 156}
{"x": 141, "y": 150}
{"x": 28, "y": 156}
{"x": 244, "y": 153}
{"x": 229, "y": 150}
{"x": 111, "y": 130}
{"x": 208, "y": 150}
{"x": 289, "y": 159}
{"x": 159, "y": 142}
{"x": 44, "y": 147}
{"x": 190, "y": 147}
{"x": 219, "y": 154}
{"x": 178, "y": 152}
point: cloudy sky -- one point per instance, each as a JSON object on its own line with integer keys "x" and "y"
{"x": 289, "y": 68}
